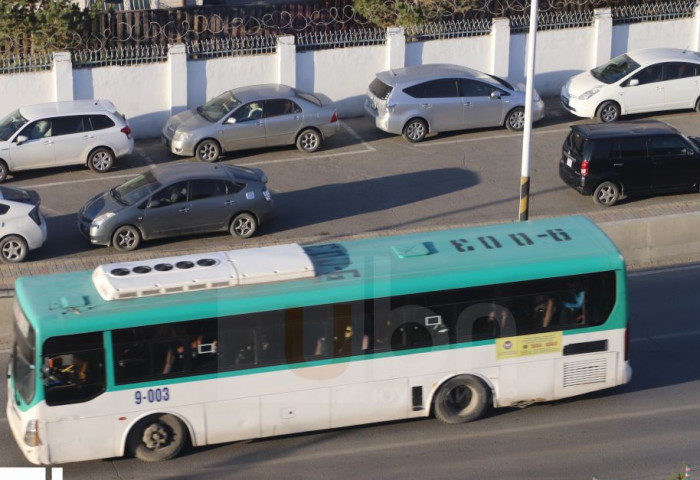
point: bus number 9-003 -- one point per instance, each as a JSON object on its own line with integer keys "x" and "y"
{"x": 152, "y": 395}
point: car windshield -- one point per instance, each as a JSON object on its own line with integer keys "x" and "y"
{"x": 617, "y": 68}
{"x": 136, "y": 189}
{"x": 215, "y": 109}
{"x": 10, "y": 124}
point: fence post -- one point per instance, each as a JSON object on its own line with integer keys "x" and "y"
{"x": 500, "y": 51}
{"x": 696, "y": 29}
{"x": 287, "y": 60}
{"x": 63, "y": 76}
{"x": 396, "y": 44}
{"x": 602, "y": 25}
{"x": 177, "y": 70}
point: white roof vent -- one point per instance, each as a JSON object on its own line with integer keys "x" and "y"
{"x": 202, "y": 271}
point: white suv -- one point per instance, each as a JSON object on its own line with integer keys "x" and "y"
{"x": 78, "y": 132}
{"x": 640, "y": 81}
{"x": 22, "y": 227}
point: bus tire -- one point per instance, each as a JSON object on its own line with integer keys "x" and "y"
{"x": 157, "y": 438}
{"x": 461, "y": 399}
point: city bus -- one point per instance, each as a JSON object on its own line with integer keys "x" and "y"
{"x": 143, "y": 358}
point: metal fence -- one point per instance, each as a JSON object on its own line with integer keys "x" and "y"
{"x": 122, "y": 56}
{"x": 450, "y": 29}
{"x": 653, "y": 12}
{"x": 306, "y": 41}
{"x": 552, "y": 21}
{"x": 231, "y": 47}
{"x": 26, "y": 63}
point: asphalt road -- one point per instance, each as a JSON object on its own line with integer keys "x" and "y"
{"x": 362, "y": 181}
{"x": 643, "y": 430}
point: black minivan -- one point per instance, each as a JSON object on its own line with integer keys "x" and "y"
{"x": 623, "y": 159}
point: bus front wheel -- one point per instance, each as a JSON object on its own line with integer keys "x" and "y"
{"x": 157, "y": 438}
{"x": 460, "y": 400}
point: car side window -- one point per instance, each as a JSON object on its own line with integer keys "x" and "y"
{"x": 629, "y": 148}
{"x": 234, "y": 187}
{"x": 98, "y": 122}
{"x": 282, "y": 106}
{"x": 69, "y": 125}
{"x": 200, "y": 189}
{"x": 650, "y": 74}
{"x": 249, "y": 112}
{"x": 175, "y": 193}
{"x": 668, "y": 146}
{"x": 4, "y": 208}
{"x": 38, "y": 129}
{"x": 442, "y": 88}
{"x": 474, "y": 88}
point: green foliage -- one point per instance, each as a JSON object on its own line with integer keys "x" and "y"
{"x": 39, "y": 25}
{"x": 679, "y": 475}
{"x": 386, "y": 13}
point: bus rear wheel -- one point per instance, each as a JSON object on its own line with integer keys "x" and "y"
{"x": 460, "y": 400}
{"x": 157, "y": 438}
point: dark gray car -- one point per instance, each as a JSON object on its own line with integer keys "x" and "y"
{"x": 179, "y": 199}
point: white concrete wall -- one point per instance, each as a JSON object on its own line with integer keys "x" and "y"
{"x": 149, "y": 93}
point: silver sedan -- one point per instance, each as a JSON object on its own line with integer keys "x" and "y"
{"x": 251, "y": 117}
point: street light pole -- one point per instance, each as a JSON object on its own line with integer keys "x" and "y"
{"x": 527, "y": 129}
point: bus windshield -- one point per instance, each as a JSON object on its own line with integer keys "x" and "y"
{"x": 23, "y": 354}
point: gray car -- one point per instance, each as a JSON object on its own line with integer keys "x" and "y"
{"x": 251, "y": 117}
{"x": 416, "y": 100}
{"x": 179, "y": 199}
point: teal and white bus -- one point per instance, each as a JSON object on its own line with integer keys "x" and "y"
{"x": 141, "y": 358}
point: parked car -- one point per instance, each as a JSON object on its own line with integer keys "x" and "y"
{"x": 252, "y": 117}
{"x": 178, "y": 199}
{"x": 87, "y": 132}
{"x": 610, "y": 161}
{"x": 640, "y": 81}
{"x": 416, "y": 100}
{"x": 22, "y": 227}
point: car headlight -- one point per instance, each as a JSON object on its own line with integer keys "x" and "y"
{"x": 589, "y": 93}
{"x": 181, "y": 136}
{"x": 100, "y": 219}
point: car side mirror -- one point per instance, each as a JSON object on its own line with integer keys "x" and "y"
{"x": 495, "y": 95}
{"x": 633, "y": 83}
{"x": 21, "y": 139}
{"x": 230, "y": 120}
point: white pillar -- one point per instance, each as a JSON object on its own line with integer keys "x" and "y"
{"x": 177, "y": 70}
{"x": 500, "y": 47}
{"x": 602, "y": 25}
{"x": 286, "y": 60}
{"x": 63, "y": 76}
{"x": 396, "y": 45}
{"x": 696, "y": 30}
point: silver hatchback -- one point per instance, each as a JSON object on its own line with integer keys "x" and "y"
{"x": 251, "y": 117}
{"x": 416, "y": 100}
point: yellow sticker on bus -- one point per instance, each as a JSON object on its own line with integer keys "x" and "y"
{"x": 536, "y": 344}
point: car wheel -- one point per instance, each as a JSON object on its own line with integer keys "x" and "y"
{"x": 13, "y": 249}
{"x": 515, "y": 120}
{"x": 3, "y": 171}
{"x": 101, "y": 160}
{"x": 606, "y": 194}
{"x": 126, "y": 238}
{"x": 157, "y": 438}
{"x": 697, "y": 105}
{"x": 208, "y": 151}
{"x": 309, "y": 140}
{"x": 415, "y": 130}
{"x": 609, "y": 112}
{"x": 243, "y": 225}
{"x": 460, "y": 400}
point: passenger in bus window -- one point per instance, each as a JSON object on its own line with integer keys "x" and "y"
{"x": 174, "y": 360}
{"x": 343, "y": 345}
{"x": 573, "y": 312}
{"x": 543, "y": 310}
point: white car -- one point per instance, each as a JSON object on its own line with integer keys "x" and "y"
{"x": 640, "y": 81}
{"x": 22, "y": 227}
{"x": 78, "y": 132}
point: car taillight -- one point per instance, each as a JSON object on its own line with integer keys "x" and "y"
{"x": 126, "y": 131}
{"x": 584, "y": 168}
{"x": 34, "y": 215}
{"x": 334, "y": 118}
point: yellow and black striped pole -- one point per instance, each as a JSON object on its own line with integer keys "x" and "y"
{"x": 524, "y": 208}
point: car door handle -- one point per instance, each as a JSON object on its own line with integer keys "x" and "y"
{"x": 426, "y": 105}
{"x": 184, "y": 210}
{"x": 297, "y": 117}
{"x": 229, "y": 202}
{"x": 87, "y": 136}
{"x": 261, "y": 124}
{"x": 467, "y": 104}
{"x": 618, "y": 164}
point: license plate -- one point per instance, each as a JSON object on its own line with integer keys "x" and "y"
{"x": 569, "y": 162}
